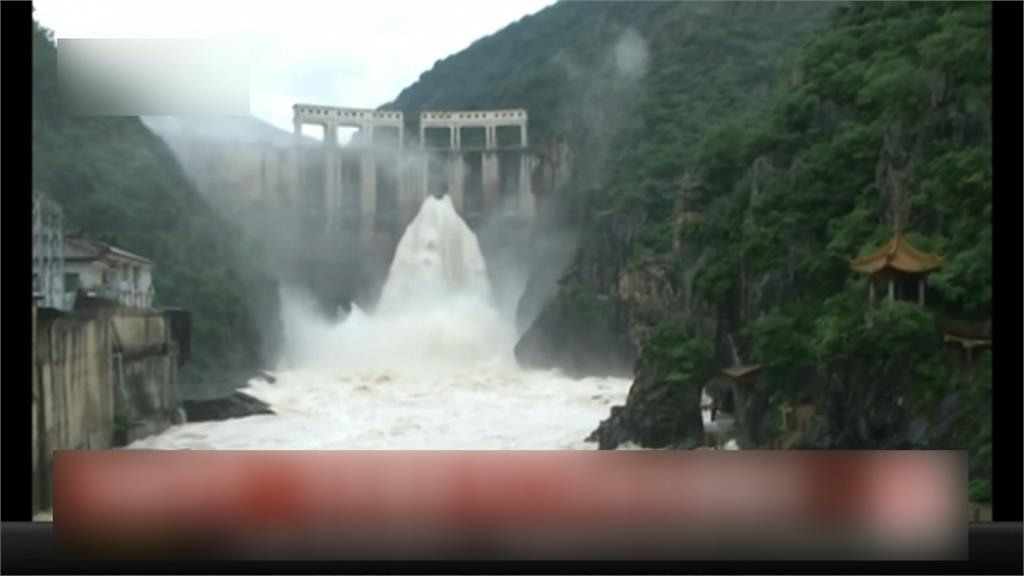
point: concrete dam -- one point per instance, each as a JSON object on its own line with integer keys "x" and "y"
{"x": 353, "y": 199}
{"x": 479, "y": 158}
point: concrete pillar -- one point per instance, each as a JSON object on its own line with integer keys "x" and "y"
{"x": 490, "y": 141}
{"x": 369, "y": 135}
{"x": 401, "y": 137}
{"x": 331, "y": 186}
{"x": 489, "y": 172}
{"x": 36, "y": 393}
{"x": 339, "y": 187}
{"x": 452, "y": 131}
{"x": 408, "y": 181}
{"x": 458, "y": 137}
{"x": 423, "y": 137}
{"x": 527, "y": 208}
{"x": 292, "y": 176}
{"x": 368, "y": 189}
{"x": 424, "y": 167}
{"x": 418, "y": 179}
{"x": 298, "y": 127}
{"x": 455, "y": 180}
{"x": 525, "y": 141}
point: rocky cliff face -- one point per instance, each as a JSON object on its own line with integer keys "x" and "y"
{"x": 663, "y": 406}
{"x": 765, "y": 218}
{"x": 658, "y": 413}
{"x": 583, "y": 328}
{"x": 642, "y": 291}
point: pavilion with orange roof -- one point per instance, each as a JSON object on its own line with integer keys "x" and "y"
{"x": 898, "y": 264}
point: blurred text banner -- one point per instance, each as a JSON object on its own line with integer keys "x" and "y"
{"x": 154, "y": 77}
{"x": 670, "y": 505}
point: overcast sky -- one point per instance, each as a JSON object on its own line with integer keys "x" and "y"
{"x": 358, "y": 53}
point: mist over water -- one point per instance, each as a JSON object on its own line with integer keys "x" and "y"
{"x": 431, "y": 367}
{"x": 436, "y": 311}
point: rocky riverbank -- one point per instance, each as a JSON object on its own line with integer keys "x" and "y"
{"x": 229, "y": 400}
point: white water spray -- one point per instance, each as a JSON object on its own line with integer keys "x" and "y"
{"x": 431, "y": 368}
{"x": 436, "y": 312}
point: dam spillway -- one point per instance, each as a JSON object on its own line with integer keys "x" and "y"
{"x": 431, "y": 367}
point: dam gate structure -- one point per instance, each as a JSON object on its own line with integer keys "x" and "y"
{"x": 483, "y": 163}
{"x": 349, "y": 202}
{"x": 480, "y": 158}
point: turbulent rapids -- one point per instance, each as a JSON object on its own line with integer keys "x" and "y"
{"x": 431, "y": 367}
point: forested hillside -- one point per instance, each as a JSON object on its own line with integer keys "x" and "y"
{"x": 727, "y": 185}
{"x": 572, "y": 66}
{"x": 119, "y": 182}
{"x": 736, "y": 241}
{"x": 579, "y": 68}
{"x": 707, "y": 62}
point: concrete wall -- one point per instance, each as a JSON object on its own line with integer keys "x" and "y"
{"x": 74, "y": 400}
{"x": 145, "y": 362}
{"x": 36, "y": 396}
{"x": 99, "y": 374}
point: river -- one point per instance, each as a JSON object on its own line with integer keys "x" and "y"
{"x": 432, "y": 367}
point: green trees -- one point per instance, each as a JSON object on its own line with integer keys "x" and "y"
{"x": 882, "y": 119}
{"x": 559, "y": 64}
{"x": 116, "y": 180}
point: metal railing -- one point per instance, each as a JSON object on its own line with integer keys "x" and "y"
{"x": 128, "y": 297}
{"x": 47, "y": 252}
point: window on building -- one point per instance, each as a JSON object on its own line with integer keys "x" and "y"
{"x": 72, "y": 282}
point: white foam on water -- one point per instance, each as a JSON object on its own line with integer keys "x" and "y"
{"x": 431, "y": 368}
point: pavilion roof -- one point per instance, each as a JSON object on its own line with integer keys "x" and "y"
{"x": 966, "y": 342}
{"x": 964, "y": 332}
{"x": 898, "y": 254}
{"x": 741, "y": 372}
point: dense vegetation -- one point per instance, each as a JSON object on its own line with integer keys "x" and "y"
{"x": 710, "y": 62}
{"x": 575, "y": 67}
{"x": 118, "y": 182}
{"x": 547, "y": 63}
{"x": 883, "y": 120}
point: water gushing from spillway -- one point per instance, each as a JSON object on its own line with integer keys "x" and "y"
{"x": 431, "y": 367}
{"x": 436, "y": 311}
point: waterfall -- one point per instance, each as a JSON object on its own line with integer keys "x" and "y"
{"x": 437, "y": 258}
{"x": 436, "y": 311}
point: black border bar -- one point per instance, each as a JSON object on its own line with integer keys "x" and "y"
{"x": 28, "y": 548}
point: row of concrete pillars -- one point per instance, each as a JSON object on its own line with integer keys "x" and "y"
{"x": 383, "y": 136}
{"x": 375, "y": 186}
{"x": 480, "y": 183}
{"x": 455, "y": 134}
{"x": 374, "y": 136}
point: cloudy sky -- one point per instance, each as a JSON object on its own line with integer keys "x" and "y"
{"x": 358, "y": 53}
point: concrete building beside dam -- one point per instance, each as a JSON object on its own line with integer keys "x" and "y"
{"x": 104, "y": 362}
